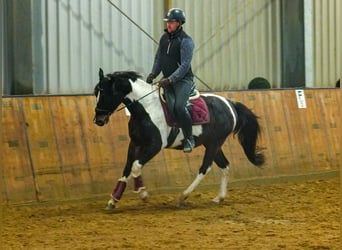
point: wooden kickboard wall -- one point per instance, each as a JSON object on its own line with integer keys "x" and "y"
{"x": 51, "y": 150}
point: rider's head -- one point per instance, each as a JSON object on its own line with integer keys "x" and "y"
{"x": 174, "y": 18}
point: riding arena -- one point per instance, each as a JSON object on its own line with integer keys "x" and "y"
{"x": 91, "y": 158}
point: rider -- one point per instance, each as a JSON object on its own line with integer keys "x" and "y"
{"x": 173, "y": 59}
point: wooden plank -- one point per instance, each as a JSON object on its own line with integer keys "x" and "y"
{"x": 178, "y": 173}
{"x": 155, "y": 174}
{"x": 70, "y": 146}
{"x": 298, "y": 133}
{"x": 44, "y": 154}
{"x": 241, "y": 167}
{"x": 232, "y": 149}
{"x": 50, "y": 186}
{"x": 254, "y": 100}
{"x": 315, "y": 127}
{"x": 18, "y": 183}
{"x": 170, "y": 157}
{"x": 105, "y": 147}
{"x": 330, "y": 113}
{"x": 278, "y": 133}
{"x": 51, "y": 146}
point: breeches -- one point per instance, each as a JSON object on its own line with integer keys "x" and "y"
{"x": 177, "y": 96}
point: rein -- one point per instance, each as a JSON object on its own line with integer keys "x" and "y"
{"x": 126, "y": 106}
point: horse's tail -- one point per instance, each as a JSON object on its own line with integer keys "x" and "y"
{"x": 248, "y": 130}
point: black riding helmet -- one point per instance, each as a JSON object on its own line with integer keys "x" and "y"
{"x": 175, "y": 14}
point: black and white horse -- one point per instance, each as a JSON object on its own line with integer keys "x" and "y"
{"x": 149, "y": 131}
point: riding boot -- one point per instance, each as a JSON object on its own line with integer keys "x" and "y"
{"x": 189, "y": 142}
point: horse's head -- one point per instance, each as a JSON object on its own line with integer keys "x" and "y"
{"x": 110, "y": 92}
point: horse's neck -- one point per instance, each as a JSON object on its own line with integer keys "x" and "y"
{"x": 136, "y": 110}
{"x": 148, "y": 97}
{"x": 143, "y": 92}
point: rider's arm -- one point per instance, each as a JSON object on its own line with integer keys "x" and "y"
{"x": 187, "y": 49}
{"x": 156, "y": 65}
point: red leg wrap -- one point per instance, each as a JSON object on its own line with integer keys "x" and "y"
{"x": 118, "y": 190}
{"x": 138, "y": 184}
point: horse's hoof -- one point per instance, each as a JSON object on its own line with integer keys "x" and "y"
{"x": 109, "y": 207}
{"x": 218, "y": 200}
{"x": 179, "y": 203}
{"x": 144, "y": 195}
{"x": 180, "y": 200}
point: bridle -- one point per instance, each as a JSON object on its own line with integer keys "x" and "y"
{"x": 105, "y": 112}
{"x": 140, "y": 98}
{"x": 109, "y": 112}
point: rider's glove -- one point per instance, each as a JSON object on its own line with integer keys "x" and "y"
{"x": 164, "y": 82}
{"x": 150, "y": 78}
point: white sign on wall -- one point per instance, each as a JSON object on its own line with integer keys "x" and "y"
{"x": 301, "y": 98}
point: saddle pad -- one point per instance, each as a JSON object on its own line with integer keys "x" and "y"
{"x": 199, "y": 113}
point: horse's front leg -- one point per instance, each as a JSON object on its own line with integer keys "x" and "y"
{"x": 136, "y": 159}
{"x": 117, "y": 193}
{"x": 120, "y": 187}
{"x": 139, "y": 186}
{"x": 144, "y": 153}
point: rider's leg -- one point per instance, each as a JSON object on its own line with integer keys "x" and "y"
{"x": 186, "y": 124}
{"x": 183, "y": 90}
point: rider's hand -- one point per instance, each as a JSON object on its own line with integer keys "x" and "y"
{"x": 150, "y": 78}
{"x": 164, "y": 82}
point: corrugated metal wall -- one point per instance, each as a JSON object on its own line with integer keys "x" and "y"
{"x": 326, "y": 42}
{"x": 76, "y": 37}
{"x": 236, "y": 40}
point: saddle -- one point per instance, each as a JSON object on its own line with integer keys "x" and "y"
{"x": 196, "y": 106}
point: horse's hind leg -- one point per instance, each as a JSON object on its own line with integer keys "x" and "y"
{"x": 223, "y": 164}
{"x": 208, "y": 159}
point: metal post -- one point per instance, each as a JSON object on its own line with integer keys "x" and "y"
{"x": 292, "y": 39}
{"x": 309, "y": 40}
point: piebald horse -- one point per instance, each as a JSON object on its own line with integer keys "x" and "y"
{"x": 149, "y": 131}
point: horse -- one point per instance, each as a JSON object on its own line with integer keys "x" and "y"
{"x": 149, "y": 131}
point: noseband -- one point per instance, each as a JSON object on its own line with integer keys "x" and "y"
{"x": 105, "y": 111}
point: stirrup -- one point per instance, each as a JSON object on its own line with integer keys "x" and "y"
{"x": 188, "y": 145}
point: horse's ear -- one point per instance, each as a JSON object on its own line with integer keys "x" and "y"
{"x": 101, "y": 76}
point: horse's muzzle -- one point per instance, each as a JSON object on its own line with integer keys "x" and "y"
{"x": 101, "y": 120}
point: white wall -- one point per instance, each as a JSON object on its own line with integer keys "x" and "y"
{"x": 326, "y": 42}
{"x": 76, "y": 37}
{"x": 236, "y": 40}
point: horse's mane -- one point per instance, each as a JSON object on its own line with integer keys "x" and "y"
{"x": 126, "y": 74}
